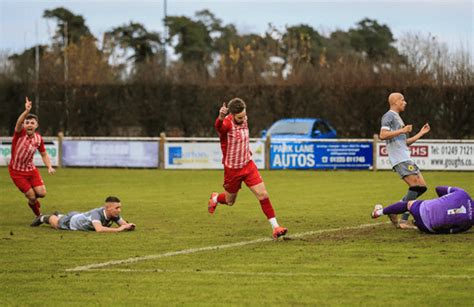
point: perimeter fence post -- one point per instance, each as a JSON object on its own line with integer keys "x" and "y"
{"x": 60, "y": 149}
{"x": 161, "y": 151}
{"x": 374, "y": 152}
{"x": 268, "y": 143}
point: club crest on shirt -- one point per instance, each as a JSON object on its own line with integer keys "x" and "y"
{"x": 460, "y": 210}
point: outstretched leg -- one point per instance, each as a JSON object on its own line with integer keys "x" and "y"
{"x": 262, "y": 195}
{"x": 417, "y": 186}
{"x": 396, "y": 208}
{"x": 224, "y": 198}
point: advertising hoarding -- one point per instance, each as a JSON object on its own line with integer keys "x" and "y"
{"x": 110, "y": 153}
{"x": 321, "y": 155}
{"x": 205, "y": 155}
{"x": 434, "y": 155}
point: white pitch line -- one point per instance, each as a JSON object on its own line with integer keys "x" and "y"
{"x": 209, "y": 248}
{"x": 281, "y": 274}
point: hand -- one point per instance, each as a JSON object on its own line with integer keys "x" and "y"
{"x": 28, "y": 104}
{"x": 407, "y": 128}
{"x": 129, "y": 227}
{"x": 425, "y": 129}
{"x": 51, "y": 170}
{"x": 223, "y": 111}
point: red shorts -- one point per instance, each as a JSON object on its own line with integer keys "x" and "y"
{"x": 26, "y": 180}
{"x": 233, "y": 177}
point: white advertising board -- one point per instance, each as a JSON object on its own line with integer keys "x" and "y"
{"x": 50, "y": 145}
{"x": 205, "y": 155}
{"x": 453, "y": 156}
{"x": 100, "y": 153}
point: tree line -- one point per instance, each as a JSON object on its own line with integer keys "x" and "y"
{"x": 126, "y": 84}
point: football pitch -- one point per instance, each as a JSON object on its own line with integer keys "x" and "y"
{"x": 334, "y": 253}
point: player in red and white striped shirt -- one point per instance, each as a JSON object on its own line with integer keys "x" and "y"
{"x": 22, "y": 170}
{"x": 238, "y": 164}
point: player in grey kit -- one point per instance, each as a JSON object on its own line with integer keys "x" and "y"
{"x": 395, "y": 133}
{"x": 99, "y": 219}
{"x": 450, "y": 213}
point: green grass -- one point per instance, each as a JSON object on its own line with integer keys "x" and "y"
{"x": 376, "y": 265}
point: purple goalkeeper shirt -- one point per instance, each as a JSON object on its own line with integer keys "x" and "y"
{"x": 450, "y": 213}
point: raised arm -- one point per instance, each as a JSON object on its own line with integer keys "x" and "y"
{"x": 219, "y": 124}
{"x": 424, "y": 130}
{"x": 443, "y": 190}
{"x": 21, "y": 118}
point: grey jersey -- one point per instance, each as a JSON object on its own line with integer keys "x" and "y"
{"x": 83, "y": 221}
{"x": 397, "y": 148}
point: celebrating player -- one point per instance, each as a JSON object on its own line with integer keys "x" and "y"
{"x": 395, "y": 132}
{"x": 99, "y": 219}
{"x": 22, "y": 170}
{"x": 238, "y": 164}
{"x": 450, "y": 213}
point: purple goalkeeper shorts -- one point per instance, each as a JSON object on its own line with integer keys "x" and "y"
{"x": 415, "y": 211}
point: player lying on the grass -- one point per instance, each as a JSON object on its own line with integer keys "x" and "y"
{"x": 99, "y": 219}
{"x": 450, "y": 213}
{"x": 22, "y": 170}
{"x": 233, "y": 130}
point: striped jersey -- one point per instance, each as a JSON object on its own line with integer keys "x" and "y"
{"x": 23, "y": 150}
{"x": 234, "y": 140}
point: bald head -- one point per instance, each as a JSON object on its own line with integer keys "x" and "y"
{"x": 397, "y": 102}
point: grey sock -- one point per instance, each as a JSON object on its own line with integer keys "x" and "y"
{"x": 411, "y": 195}
{"x": 45, "y": 219}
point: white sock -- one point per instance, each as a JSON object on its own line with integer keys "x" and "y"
{"x": 379, "y": 212}
{"x": 214, "y": 199}
{"x": 42, "y": 219}
{"x": 274, "y": 222}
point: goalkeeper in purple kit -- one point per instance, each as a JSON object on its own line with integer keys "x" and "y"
{"x": 450, "y": 213}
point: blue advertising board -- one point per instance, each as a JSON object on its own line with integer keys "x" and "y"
{"x": 321, "y": 155}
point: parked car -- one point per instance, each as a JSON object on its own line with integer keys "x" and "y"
{"x": 301, "y": 128}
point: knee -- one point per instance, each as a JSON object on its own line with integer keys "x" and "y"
{"x": 54, "y": 221}
{"x": 40, "y": 194}
{"x": 31, "y": 196}
{"x": 419, "y": 189}
{"x": 262, "y": 195}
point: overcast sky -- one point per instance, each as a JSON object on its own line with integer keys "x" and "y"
{"x": 451, "y": 21}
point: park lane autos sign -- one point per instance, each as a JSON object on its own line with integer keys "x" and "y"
{"x": 321, "y": 155}
{"x": 435, "y": 155}
{"x": 51, "y": 149}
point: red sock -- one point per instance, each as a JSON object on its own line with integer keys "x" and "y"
{"x": 267, "y": 208}
{"x": 221, "y": 198}
{"x": 35, "y": 208}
